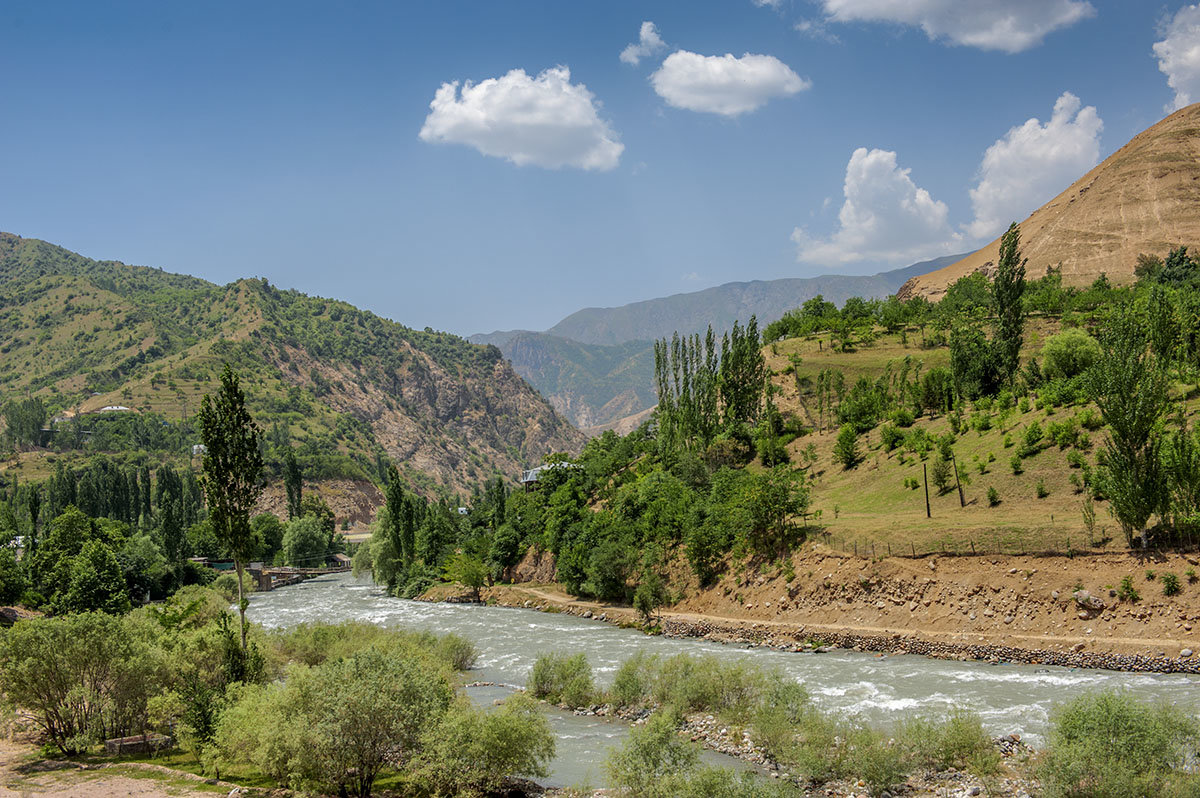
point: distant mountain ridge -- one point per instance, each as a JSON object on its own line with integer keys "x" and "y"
{"x": 596, "y": 366}
{"x": 721, "y": 305}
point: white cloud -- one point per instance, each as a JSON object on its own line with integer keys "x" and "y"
{"x": 1007, "y": 25}
{"x": 544, "y": 121}
{"x": 816, "y": 29}
{"x": 768, "y": 3}
{"x": 1033, "y": 163}
{"x": 886, "y": 217}
{"x": 648, "y": 43}
{"x": 722, "y": 84}
{"x": 1179, "y": 55}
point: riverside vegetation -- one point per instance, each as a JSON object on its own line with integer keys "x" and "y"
{"x": 745, "y": 457}
{"x": 1101, "y": 745}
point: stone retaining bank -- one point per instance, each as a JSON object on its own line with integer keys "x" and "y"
{"x": 796, "y": 638}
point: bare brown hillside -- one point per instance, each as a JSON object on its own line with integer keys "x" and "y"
{"x": 1143, "y": 198}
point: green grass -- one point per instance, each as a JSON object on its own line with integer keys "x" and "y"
{"x": 874, "y": 503}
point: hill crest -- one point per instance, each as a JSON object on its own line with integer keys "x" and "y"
{"x": 1144, "y": 198}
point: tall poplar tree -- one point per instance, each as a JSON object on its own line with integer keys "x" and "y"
{"x": 231, "y": 473}
{"x": 293, "y": 482}
{"x": 1007, "y": 291}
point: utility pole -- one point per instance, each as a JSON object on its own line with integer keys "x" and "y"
{"x": 962, "y": 502}
{"x": 925, "y": 468}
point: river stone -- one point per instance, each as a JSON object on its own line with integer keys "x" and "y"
{"x": 1187, "y": 652}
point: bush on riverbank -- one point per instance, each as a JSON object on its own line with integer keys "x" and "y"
{"x": 783, "y": 723}
{"x": 1110, "y": 745}
{"x": 656, "y": 762}
{"x": 558, "y": 678}
{"x": 323, "y": 706}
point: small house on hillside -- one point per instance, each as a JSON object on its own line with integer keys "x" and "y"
{"x": 530, "y": 477}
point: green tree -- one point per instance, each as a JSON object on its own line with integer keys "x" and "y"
{"x": 845, "y": 448}
{"x": 1008, "y": 288}
{"x": 293, "y": 482}
{"x": 1130, "y": 388}
{"x": 1069, "y": 353}
{"x": 467, "y": 570}
{"x": 25, "y": 419}
{"x": 304, "y": 542}
{"x": 651, "y": 594}
{"x": 232, "y": 473}
{"x": 473, "y": 752}
{"x": 268, "y": 534}
{"x": 12, "y": 579}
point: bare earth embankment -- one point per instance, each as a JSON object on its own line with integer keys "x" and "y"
{"x": 1021, "y": 609}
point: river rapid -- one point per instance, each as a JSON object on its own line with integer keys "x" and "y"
{"x": 882, "y": 690}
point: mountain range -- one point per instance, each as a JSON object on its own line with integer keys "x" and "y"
{"x": 345, "y": 388}
{"x": 596, "y": 366}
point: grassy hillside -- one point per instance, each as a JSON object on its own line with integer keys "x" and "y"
{"x": 349, "y": 389}
{"x": 874, "y": 503}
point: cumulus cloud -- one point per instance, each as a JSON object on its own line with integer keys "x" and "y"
{"x": 886, "y": 217}
{"x": 544, "y": 121}
{"x": 648, "y": 43}
{"x": 1033, "y": 163}
{"x": 722, "y": 84}
{"x": 1007, "y": 25}
{"x": 1179, "y": 55}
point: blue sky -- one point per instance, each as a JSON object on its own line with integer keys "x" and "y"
{"x": 296, "y": 140}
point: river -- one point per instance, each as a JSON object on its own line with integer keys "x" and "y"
{"x": 1009, "y": 698}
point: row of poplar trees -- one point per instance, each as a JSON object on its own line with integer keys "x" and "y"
{"x": 702, "y": 391}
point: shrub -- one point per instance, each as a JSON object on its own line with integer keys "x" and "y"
{"x": 1069, "y": 354}
{"x": 1074, "y": 459}
{"x": 652, "y": 753}
{"x": 1170, "y": 584}
{"x": 335, "y": 726}
{"x": 458, "y": 651}
{"x": 877, "y": 760}
{"x": 903, "y": 417}
{"x": 1126, "y": 591}
{"x": 80, "y": 678}
{"x": 993, "y": 497}
{"x": 845, "y": 449}
{"x": 959, "y": 741}
{"x": 1015, "y": 463}
{"x": 890, "y": 437}
{"x": 473, "y": 752}
{"x": 1042, "y": 490}
{"x": 559, "y": 678}
{"x": 1190, "y": 574}
{"x": 632, "y": 682}
{"x": 1109, "y": 745}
